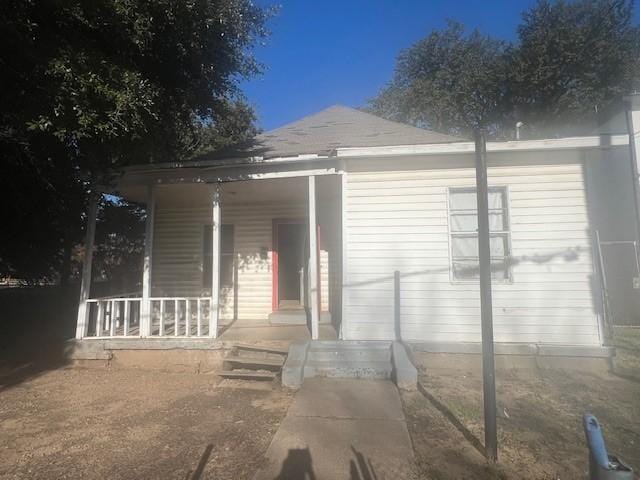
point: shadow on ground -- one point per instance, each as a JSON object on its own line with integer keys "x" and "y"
{"x": 299, "y": 466}
{"x": 35, "y": 324}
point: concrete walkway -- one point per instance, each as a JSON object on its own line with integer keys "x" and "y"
{"x": 341, "y": 429}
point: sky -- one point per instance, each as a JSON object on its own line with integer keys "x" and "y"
{"x": 323, "y": 52}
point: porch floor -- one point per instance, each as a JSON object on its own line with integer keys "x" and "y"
{"x": 258, "y": 330}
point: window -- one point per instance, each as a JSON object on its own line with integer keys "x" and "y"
{"x": 226, "y": 256}
{"x": 463, "y": 230}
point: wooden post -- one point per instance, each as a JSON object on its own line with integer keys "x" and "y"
{"x": 486, "y": 308}
{"x": 85, "y": 286}
{"x": 145, "y": 306}
{"x": 215, "y": 256}
{"x": 313, "y": 259}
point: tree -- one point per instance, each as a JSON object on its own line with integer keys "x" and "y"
{"x": 92, "y": 85}
{"x": 450, "y": 82}
{"x": 571, "y": 59}
{"x": 119, "y": 244}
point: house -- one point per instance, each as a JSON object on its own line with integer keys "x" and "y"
{"x": 301, "y": 234}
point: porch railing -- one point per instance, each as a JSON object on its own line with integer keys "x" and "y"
{"x": 168, "y": 317}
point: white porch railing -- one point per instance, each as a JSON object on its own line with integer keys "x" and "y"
{"x": 168, "y": 317}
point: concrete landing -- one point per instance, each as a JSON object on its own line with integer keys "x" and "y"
{"x": 341, "y": 428}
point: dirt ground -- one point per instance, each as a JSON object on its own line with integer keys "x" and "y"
{"x": 540, "y": 432}
{"x": 124, "y": 424}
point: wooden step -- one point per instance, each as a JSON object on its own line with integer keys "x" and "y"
{"x": 248, "y": 374}
{"x": 261, "y": 348}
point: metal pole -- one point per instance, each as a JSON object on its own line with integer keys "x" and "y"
{"x": 606, "y": 310}
{"x": 396, "y": 304}
{"x": 484, "y": 253}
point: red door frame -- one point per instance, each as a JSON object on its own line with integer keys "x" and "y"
{"x": 274, "y": 258}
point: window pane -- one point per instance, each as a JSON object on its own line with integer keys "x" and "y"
{"x": 499, "y": 269}
{"x": 466, "y": 269}
{"x": 226, "y": 270}
{"x": 469, "y": 269}
{"x": 498, "y": 221}
{"x": 226, "y": 239}
{"x": 466, "y": 198}
{"x": 498, "y": 245}
{"x": 496, "y": 198}
{"x": 462, "y": 199}
{"x": 464, "y": 246}
{"x": 464, "y": 222}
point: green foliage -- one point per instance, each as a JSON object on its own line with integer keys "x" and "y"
{"x": 449, "y": 82}
{"x": 90, "y": 85}
{"x": 572, "y": 58}
{"x": 119, "y": 244}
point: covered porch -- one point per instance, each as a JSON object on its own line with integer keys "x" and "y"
{"x": 252, "y": 258}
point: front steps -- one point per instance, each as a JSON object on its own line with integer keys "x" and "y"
{"x": 349, "y": 359}
{"x": 341, "y": 359}
{"x": 253, "y": 362}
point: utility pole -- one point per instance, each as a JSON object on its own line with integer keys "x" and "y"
{"x": 486, "y": 308}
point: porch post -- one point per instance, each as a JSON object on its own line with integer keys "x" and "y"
{"x": 85, "y": 286}
{"x": 313, "y": 259}
{"x": 145, "y": 305}
{"x": 215, "y": 256}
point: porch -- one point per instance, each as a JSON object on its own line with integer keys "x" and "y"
{"x": 243, "y": 260}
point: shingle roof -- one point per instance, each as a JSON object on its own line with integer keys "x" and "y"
{"x": 338, "y": 127}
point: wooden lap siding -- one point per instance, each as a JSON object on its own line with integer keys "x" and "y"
{"x": 397, "y": 220}
{"x": 177, "y": 255}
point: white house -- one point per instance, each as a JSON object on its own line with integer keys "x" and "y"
{"x": 308, "y": 226}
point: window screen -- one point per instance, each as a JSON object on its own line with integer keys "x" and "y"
{"x": 226, "y": 256}
{"x": 463, "y": 228}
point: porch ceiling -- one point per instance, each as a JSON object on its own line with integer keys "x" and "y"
{"x": 280, "y": 190}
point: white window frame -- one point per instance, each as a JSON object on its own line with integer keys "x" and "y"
{"x": 507, "y": 233}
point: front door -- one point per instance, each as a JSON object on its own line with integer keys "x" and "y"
{"x": 289, "y": 245}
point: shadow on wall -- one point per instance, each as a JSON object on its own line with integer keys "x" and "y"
{"x": 299, "y": 466}
{"x": 568, "y": 255}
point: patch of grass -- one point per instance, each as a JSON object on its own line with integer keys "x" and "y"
{"x": 542, "y": 436}
{"x": 626, "y": 340}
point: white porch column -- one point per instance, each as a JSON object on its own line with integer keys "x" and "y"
{"x": 145, "y": 305}
{"x": 215, "y": 257}
{"x": 85, "y": 286}
{"x": 313, "y": 259}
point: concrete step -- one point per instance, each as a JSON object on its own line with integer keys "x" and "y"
{"x": 261, "y": 348}
{"x": 248, "y": 374}
{"x": 349, "y": 369}
{"x": 348, "y": 344}
{"x": 350, "y": 354}
{"x": 232, "y": 362}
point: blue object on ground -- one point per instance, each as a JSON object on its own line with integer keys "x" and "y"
{"x": 602, "y": 466}
{"x": 595, "y": 440}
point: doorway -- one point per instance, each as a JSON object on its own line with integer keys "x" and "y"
{"x": 290, "y": 245}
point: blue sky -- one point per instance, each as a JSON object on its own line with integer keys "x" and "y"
{"x": 323, "y": 52}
